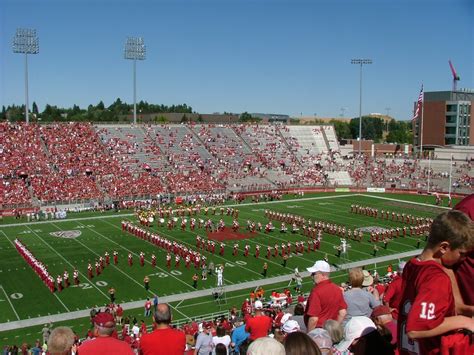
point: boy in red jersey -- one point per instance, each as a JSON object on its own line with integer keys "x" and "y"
{"x": 427, "y": 321}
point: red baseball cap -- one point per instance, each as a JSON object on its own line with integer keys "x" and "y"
{"x": 380, "y": 311}
{"x": 104, "y": 319}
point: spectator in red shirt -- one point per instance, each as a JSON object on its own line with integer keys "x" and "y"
{"x": 164, "y": 340}
{"x": 259, "y": 325}
{"x": 382, "y": 317}
{"x": 119, "y": 314}
{"x": 427, "y": 317}
{"x": 465, "y": 270}
{"x": 326, "y": 300}
{"x": 104, "y": 343}
{"x": 393, "y": 294}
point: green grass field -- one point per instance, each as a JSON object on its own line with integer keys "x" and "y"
{"x": 24, "y": 296}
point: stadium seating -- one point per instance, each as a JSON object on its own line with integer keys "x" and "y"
{"x": 71, "y": 162}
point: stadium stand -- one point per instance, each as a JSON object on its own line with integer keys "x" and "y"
{"x": 71, "y": 162}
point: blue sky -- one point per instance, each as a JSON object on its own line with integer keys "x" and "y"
{"x": 282, "y": 56}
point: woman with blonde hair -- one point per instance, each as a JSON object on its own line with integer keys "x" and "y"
{"x": 359, "y": 301}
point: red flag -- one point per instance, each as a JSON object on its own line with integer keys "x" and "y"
{"x": 418, "y": 104}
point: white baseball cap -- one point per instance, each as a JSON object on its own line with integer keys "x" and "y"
{"x": 258, "y": 304}
{"x": 355, "y": 328}
{"x": 290, "y": 326}
{"x": 319, "y": 266}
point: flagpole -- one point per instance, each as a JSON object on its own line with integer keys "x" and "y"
{"x": 421, "y": 130}
{"x": 450, "y": 176}
{"x": 429, "y": 172}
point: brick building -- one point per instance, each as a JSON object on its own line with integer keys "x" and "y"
{"x": 446, "y": 119}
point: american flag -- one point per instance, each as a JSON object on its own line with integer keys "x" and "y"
{"x": 418, "y": 104}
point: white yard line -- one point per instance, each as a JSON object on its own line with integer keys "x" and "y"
{"x": 404, "y": 201}
{"x": 62, "y": 257}
{"x": 11, "y": 304}
{"x": 55, "y": 295}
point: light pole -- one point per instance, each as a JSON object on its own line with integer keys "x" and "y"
{"x": 360, "y": 62}
{"x": 135, "y": 49}
{"x": 26, "y": 42}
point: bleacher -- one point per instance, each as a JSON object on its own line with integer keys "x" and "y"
{"x": 77, "y": 161}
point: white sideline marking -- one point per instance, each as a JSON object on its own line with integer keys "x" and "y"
{"x": 11, "y": 304}
{"x": 411, "y": 202}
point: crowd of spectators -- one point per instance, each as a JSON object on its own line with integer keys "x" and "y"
{"x": 308, "y": 325}
{"x": 77, "y": 161}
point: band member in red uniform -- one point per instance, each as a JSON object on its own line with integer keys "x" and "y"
{"x": 97, "y": 268}
{"x": 115, "y": 257}
{"x": 269, "y": 252}
{"x": 75, "y": 276}
{"x": 221, "y": 251}
{"x": 177, "y": 259}
{"x": 257, "y": 251}
{"x": 153, "y": 260}
{"x": 142, "y": 259}
{"x": 236, "y": 249}
{"x": 107, "y": 258}
{"x": 246, "y": 250}
{"x": 188, "y": 261}
{"x": 66, "y": 278}
{"x": 130, "y": 259}
{"x": 89, "y": 271}
{"x": 168, "y": 260}
{"x": 59, "y": 282}
{"x": 51, "y": 284}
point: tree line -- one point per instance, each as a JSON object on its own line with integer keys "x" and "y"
{"x": 96, "y": 113}
{"x": 374, "y": 128}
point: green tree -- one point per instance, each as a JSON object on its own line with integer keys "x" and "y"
{"x": 343, "y": 130}
{"x": 399, "y": 132}
{"x": 245, "y": 117}
{"x": 3, "y": 114}
{"x": 372, "y": 128}
{"x": 34, "y": 108}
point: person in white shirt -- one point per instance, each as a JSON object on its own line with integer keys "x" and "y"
{"x": 135, "y": 330}
{"x": 221, "y": 338}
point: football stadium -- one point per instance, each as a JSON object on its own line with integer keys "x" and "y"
{"x": 152, "y": 229}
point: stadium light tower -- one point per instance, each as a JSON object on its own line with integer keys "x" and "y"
{"x": 135, "y": 49}
{"x": 360, "y": 62}
{"x": 26, "y": 42}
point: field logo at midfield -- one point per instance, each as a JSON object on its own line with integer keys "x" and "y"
{"x": 66, "y": 234}
{"x": 372, "y": 229}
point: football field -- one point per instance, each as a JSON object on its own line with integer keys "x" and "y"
{"x": 85, "y": 237}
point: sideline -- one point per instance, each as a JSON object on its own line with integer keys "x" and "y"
{"x": 406, "y": 201}
{"x": 196, "y": 294}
